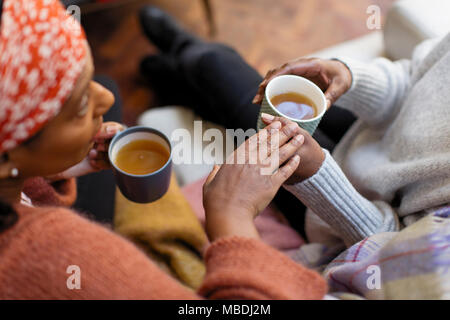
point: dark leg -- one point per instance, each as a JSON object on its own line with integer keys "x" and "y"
{"x": 96, "y": 191}
{"x": 225, "y": 83}
{"x": 224, "y": 86}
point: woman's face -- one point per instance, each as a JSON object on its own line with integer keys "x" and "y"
{"x": 67, "y": 138}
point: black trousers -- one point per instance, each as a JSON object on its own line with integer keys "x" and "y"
{"x": 225, "y": 86}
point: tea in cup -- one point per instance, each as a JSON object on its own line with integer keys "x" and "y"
{"x": 295, "y": 98}
{"x": 141, "y": 158}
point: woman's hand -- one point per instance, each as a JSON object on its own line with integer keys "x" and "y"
{"x": 332, "y": 76}
{"x": 235, "y": 193}
{"x": 311, "y": 154}
{"x": 97, "y": 158}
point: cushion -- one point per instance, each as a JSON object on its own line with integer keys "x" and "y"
{"x": 409, "y": 22}
{"x": 365, "y": 48}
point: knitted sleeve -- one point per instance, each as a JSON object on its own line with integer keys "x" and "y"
{"x": 333, "y": 198}
{"x": 379, "y": 87}
{"x": 55, "y": 253}
{"x": 240, "y": 268}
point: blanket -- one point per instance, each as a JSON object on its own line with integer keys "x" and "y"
{"x": 168, "y": 231}
{"x": 413, "y": 263}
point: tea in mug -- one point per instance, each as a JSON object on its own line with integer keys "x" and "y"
{"x": 142, "y": 157}
{"x": 295, "y": 105}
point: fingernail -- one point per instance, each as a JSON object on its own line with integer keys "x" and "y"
{"x": 267, "y": 116}
{"x": 276, "y": 125}
{"x": 296, "y": 158}
{"x": 328, "y": 103}
{"x": 292, "y": 127}
{"x": 299, "y": 139}
{"x": 92, "y": 153}
{"x": 112, "y": 129}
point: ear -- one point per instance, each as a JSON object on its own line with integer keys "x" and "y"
{"x": 7, "y": 167}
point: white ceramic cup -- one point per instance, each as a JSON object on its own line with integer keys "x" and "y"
{"x": 290, "y": 83}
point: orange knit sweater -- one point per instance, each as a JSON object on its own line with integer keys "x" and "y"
{"x": 36, "y": 252}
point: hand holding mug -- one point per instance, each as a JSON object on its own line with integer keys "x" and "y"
{"x": 98, "y": 156}
{"x": 311, "y": 153}
{"x": 235, "y": 193}
{"x": 332, "y": 76}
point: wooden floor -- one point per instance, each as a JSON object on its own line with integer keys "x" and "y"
{"x": 266, "y": 32}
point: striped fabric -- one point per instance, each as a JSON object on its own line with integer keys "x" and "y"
{"x": 413, "y": 263}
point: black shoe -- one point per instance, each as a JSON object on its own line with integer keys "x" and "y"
{"x": 162, "y": 30}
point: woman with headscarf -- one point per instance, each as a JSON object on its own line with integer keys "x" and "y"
{"x": 51, "y": 122}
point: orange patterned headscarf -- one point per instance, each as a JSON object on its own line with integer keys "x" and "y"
{"x": 42, "y": 53}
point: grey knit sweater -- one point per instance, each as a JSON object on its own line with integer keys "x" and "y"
{"x": 394, "y": 162}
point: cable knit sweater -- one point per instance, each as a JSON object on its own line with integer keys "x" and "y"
{"x": 395, "y": 161}
{"x": 36, "y": 252}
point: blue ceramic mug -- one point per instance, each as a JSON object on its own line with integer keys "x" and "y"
{"x": 147, "y": 187}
